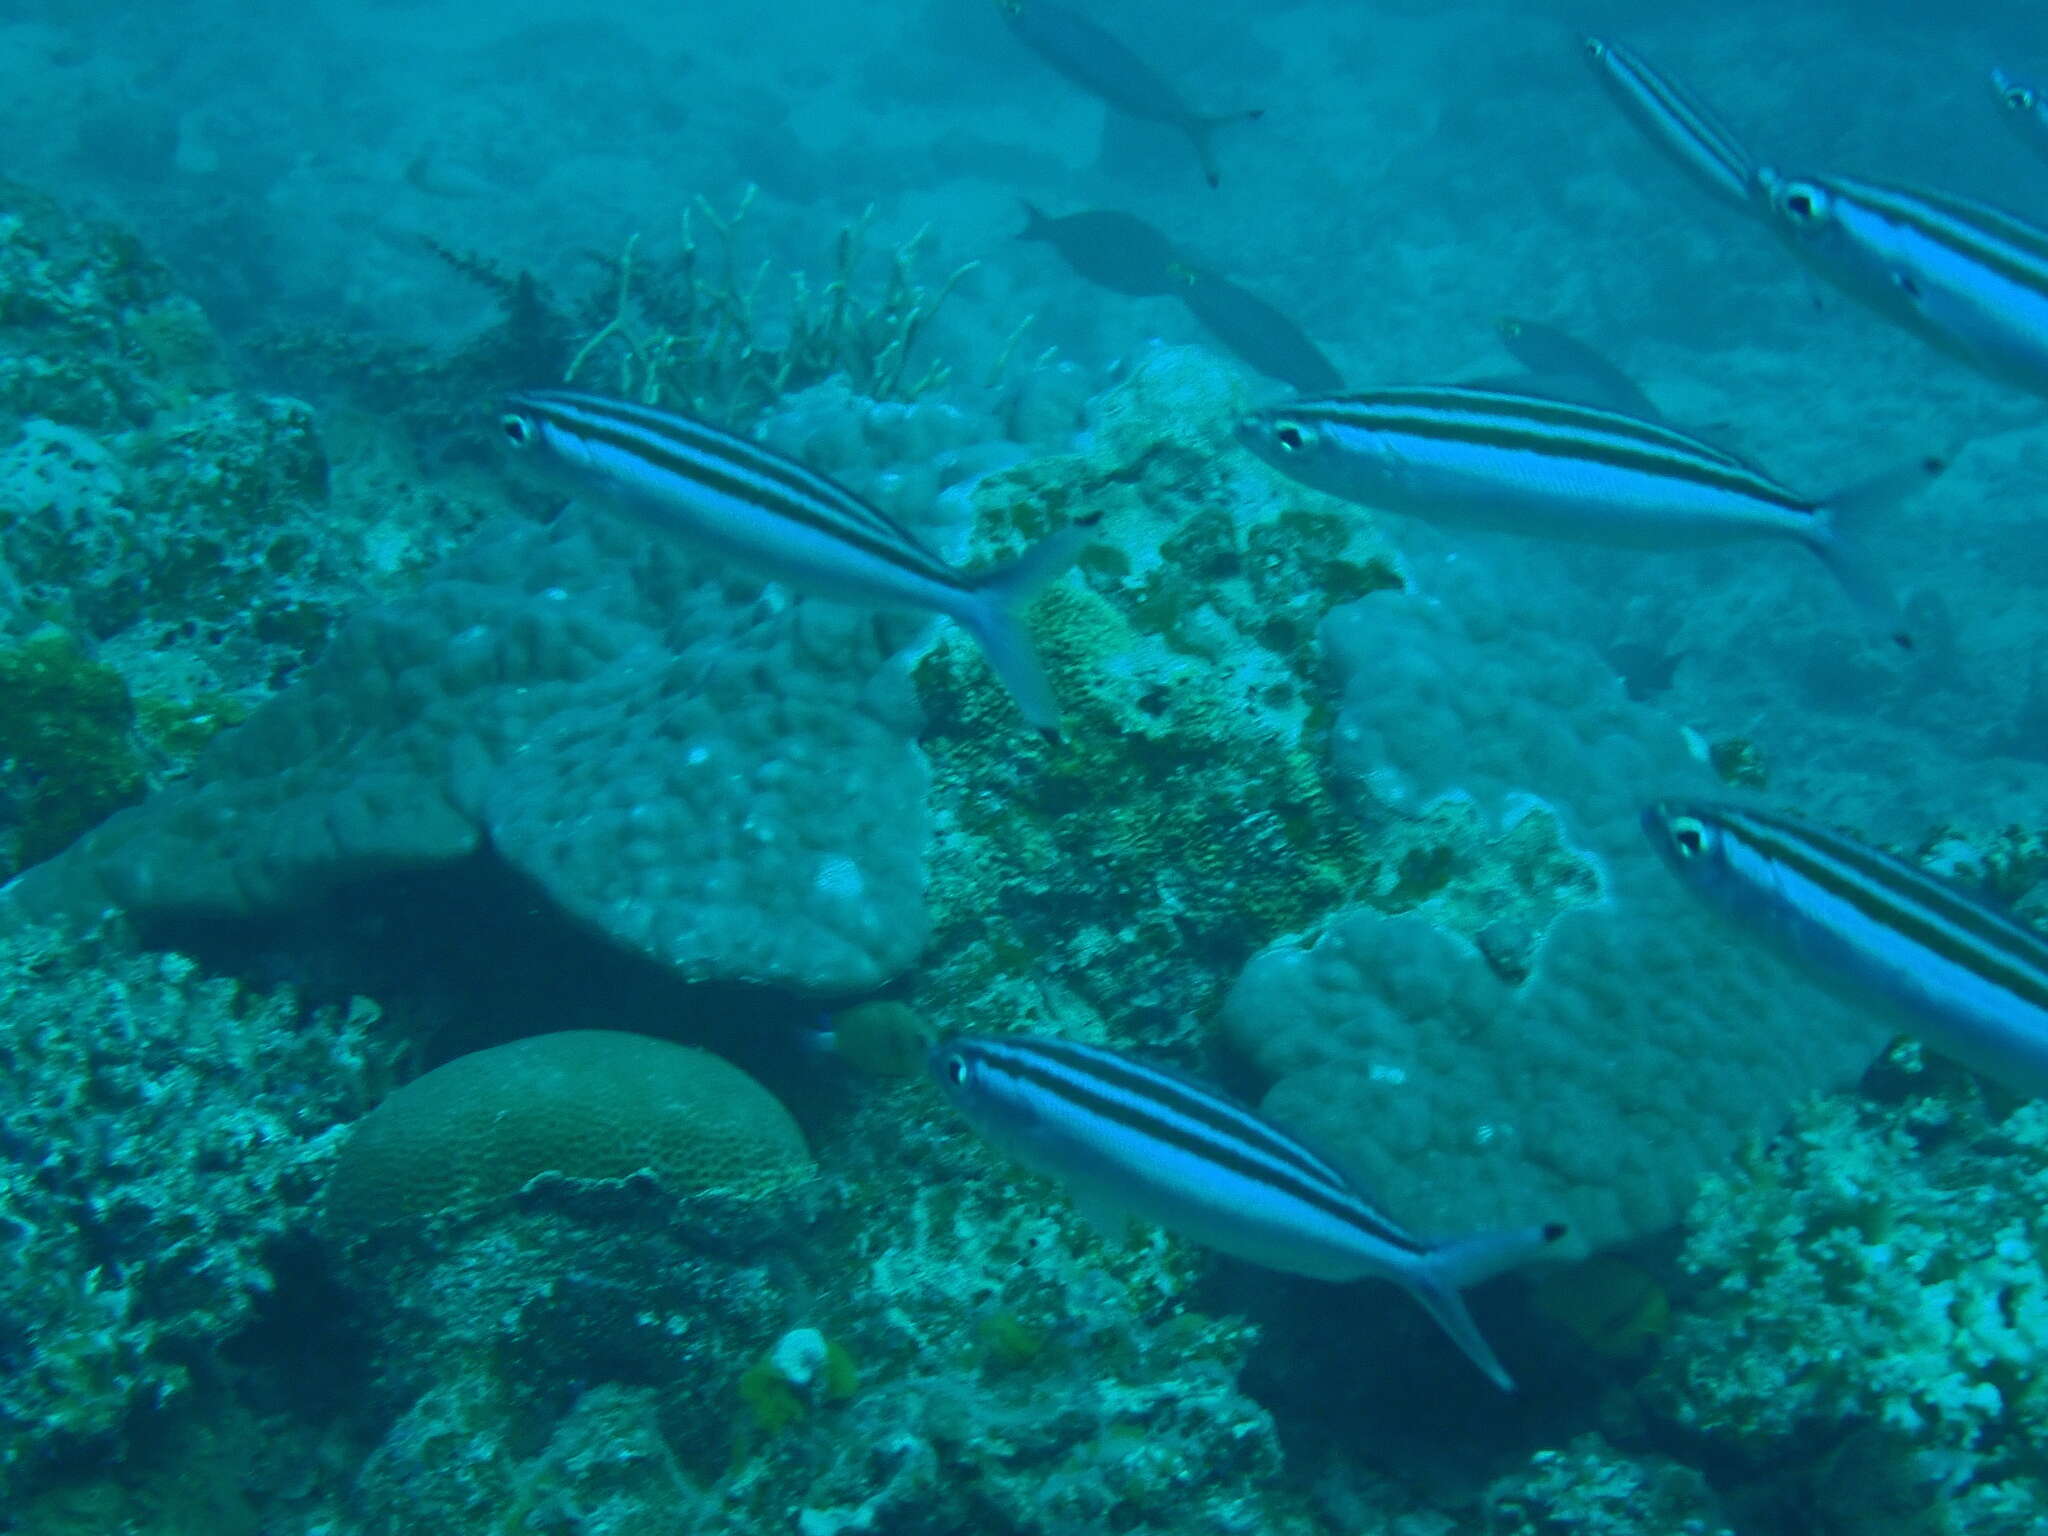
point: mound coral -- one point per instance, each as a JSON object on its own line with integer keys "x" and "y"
{"x": 1480, "y": 1061}
{"x": 588, "y": 1104}
{"x": 729, "y": 789}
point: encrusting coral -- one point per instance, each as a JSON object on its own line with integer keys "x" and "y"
{"x": 730, "y": 788}
{"x": 159, "y": 1132}
{"x": 1871, "y": 1292}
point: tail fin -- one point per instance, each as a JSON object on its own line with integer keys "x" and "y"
{"x": 1838, "y": 538}
{"x": 1202, "y": 131}
{"x": 996, "y": 620}
{"x": 1451, "y": 1268}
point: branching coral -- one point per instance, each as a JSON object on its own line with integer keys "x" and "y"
{"x": 707, "y": 341}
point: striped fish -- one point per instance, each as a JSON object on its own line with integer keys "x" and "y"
{"x": 1964, "y": 276}
{"x": 1674, "y": 120}
{"x": 772, "y": 515}
{"x": 1132, "y": 1140}
{"x": 1501, "y": 459}
{"x": 1973, "y": 982}
{"x": 2023, "y": 106}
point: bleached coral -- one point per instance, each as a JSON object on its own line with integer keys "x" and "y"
{"x": 159, "y": 1131}
{"x": 1876, "y": 1268}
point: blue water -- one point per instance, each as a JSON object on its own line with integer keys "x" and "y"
{"x": 337, "y": 745}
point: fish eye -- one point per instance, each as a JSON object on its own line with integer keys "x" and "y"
{"x": 517, "y": 429}
{"x": 1803, "y": 203}
{"x": 2018, "y": 97}
{"x": 1689, "y": 836}
{"x": 1595, "y": 49}
{"x": 1292, "y": 435}
{"x": 954, "y": 1070}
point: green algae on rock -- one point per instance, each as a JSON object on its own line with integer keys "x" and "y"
{"x": 68, "y": 751}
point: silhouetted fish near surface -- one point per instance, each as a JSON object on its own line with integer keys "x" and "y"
{"x": 1105, "y": 67}
{"x": 1112, "y": 250}
{"x": 1133, "y": 1140}
{"x": 1517, "y": 463}
{"x": 1258, "y": 333}
{"x": 770, "y": 514}
{"x": 1962, "y": 275}
{"x": 2023, "y": 106}
{"x": 1545, "y": 351}
{"x": 1971, "y": 981}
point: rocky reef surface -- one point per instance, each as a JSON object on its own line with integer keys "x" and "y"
{"x": 1353, "y": 840}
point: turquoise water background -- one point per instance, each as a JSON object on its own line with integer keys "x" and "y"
{"x": 335, "y": 749}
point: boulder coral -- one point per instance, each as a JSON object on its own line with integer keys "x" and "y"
{"x": 729, "y": 787}
{"x": 1589, "y": 1070}
{"x": 586, "y": 1104}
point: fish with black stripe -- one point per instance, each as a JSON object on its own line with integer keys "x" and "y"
{"x": 1132, "y": 1140}
{"x": 1677, "y": 122}
{"x": 772, "y": 515}
{"x": 1971, "y": 982}
{"x": 1505, "y": 460}
{"x": 2023, "y": 105}
{"x": 1962, "y": 275}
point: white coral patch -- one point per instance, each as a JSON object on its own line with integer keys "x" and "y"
{"x": 839, "y": 876}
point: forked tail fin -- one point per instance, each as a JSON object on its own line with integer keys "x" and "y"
{"x": 1838, "y": 538}
{"x": 996, "y": 619}
{"x": 1468, "y": 1261}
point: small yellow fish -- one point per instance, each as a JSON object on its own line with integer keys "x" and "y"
{"x": 1612, "y": 1306}
{"x": 883, "y": 1039}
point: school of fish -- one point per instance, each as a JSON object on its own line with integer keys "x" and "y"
{"x": 1571, "y": 449}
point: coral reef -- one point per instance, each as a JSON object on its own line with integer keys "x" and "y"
{"x": 1573, "y": 1041}
{"x": 68, "y": 753}
{"x": 1871, "y": 1296}
{"x": 159, "y": 1132}
{"x": 573, "y": 1354}
{"x": 714, "y": 345}
{"x": 197, "y": 540}
{"x": 1183, "y": 822}
{"x": 1588, "y": 1489}
{"x": 588, "y": 1104}
{"x": 729, "y": 788}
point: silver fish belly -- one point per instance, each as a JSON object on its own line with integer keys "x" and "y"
{"x": 1962, "y": 275}
{"x": 1131, "y": 1139}
{"x": 772, "y": 515}
{"x": 1967, "y": 979}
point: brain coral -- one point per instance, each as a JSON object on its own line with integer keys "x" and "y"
{"x": 1645, "y": 1041}
{"x": 592, "y": 1104}
{"x": 729, "y": 787}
